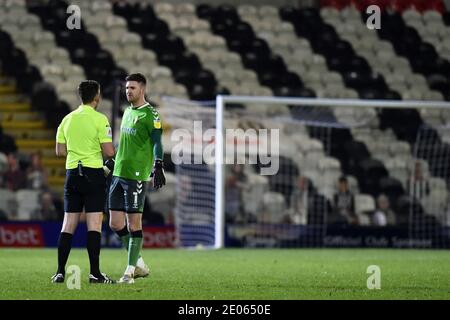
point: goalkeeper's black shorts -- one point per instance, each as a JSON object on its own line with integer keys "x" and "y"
{"x": 85, "y": 193}
{"x": 127, "y": 195}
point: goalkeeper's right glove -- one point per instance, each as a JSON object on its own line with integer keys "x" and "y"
{"x": 108, "y": 167}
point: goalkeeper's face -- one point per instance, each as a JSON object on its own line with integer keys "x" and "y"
{"x": 135, "y": 91}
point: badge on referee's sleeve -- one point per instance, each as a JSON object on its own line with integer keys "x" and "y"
{"x": 108, "y": 132}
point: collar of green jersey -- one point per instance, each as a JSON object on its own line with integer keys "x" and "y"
{"x": 139, "y": 107}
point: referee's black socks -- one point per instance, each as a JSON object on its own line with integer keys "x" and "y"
{"x": 94, "y": 239}
{"x": 64, "y": 246}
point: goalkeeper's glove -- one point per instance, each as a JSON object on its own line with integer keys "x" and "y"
{"x": 108, "y": 166}
{"x": 159, "y": 178}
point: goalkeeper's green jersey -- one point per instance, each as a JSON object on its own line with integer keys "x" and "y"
{"x": 134, "y": 158}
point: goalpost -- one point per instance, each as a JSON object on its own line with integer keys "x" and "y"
{"x": 233, "y": 196}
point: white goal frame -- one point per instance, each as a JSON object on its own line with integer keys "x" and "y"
{"x": 222, "y": 100}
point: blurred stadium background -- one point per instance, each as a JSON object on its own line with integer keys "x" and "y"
{"x": 395, "y": 160}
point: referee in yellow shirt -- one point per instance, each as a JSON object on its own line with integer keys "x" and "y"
{"x": 84, "y": 137}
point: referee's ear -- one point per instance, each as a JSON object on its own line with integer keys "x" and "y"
{"x": 97, "y": 99}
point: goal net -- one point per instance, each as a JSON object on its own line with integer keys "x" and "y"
{"x": 285, "y": 172}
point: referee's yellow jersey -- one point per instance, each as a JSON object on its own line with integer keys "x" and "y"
{"x": 83, "y": 130}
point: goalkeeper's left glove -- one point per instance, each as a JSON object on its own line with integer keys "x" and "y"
{"x": 159, "y": 178}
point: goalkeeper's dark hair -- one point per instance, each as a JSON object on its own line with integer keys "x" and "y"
{"x": 138, "y": 77}
{"x": 87, "y": 90}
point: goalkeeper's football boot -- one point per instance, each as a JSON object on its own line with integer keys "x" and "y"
{"x": 57, "y": 278}
{"x": 127, "y": 278}
{"x": 103, "y": 278}
{"x": 142, "y": 270}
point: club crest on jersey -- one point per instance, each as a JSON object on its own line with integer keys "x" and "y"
{"x": 137, "y": 118}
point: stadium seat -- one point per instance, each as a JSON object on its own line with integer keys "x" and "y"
{"x": 28, "y": 201}
{"x": 274, "y": 206}
{"x": 391, "y": 187}
{"x": 437, "y": 183}
{"x": 258, "y": 185}
{"x": 353, "y": 184}
{"x": 372, "y": 170}
{"x": 435, "y": 203}
{"x": 364, "y": 205}
{"x": 7, "y": 197}
{"x": 330, "y": 168}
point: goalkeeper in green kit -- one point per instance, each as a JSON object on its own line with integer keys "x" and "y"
{"x": 138, "y": 159}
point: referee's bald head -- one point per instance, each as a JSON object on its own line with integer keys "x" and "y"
{"x": 88, "y": 91}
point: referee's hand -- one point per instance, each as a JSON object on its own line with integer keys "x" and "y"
{"x": 108, "y": 167}
{"x": 159, "y": 179}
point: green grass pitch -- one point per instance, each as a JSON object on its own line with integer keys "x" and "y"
{"x": 230, "y": 274}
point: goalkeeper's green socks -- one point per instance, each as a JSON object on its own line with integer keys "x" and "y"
{"x": 134, "y": 248}
{"x": 125, "y": 238}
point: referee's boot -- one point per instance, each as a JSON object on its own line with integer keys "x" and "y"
{"x": 102, "y": 278}
{"x": 57, "y": 278}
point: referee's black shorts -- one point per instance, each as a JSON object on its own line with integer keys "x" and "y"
{"x": 86, "y": 192}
